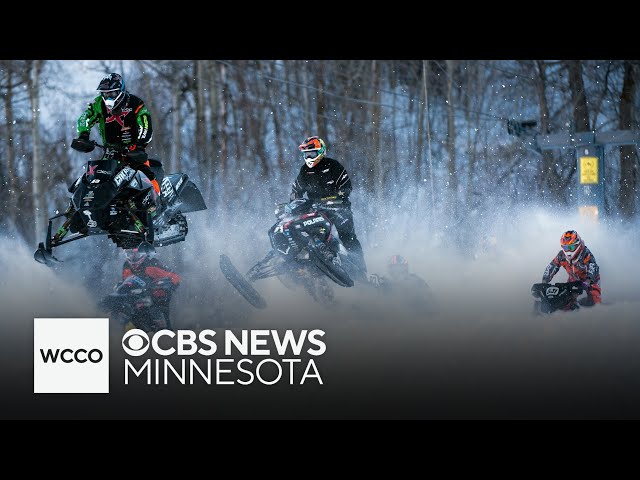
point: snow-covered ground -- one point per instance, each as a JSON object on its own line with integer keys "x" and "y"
{"x": 492, "y": 288}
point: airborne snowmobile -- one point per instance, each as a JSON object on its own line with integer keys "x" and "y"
{"x": 306, "y": 250}
{"x": 112, "y": 198}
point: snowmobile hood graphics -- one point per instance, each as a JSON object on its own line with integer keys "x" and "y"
{"x": 112, "y": 198}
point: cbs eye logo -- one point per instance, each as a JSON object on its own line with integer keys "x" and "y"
{"x": 135, "y": 342}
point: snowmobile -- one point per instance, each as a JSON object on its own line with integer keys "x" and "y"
{"x": 410, "y": 290}
{"x": 306, "y": 250}
{"x": 559, "y": 296}
{"x": 141, "y": 304}
{"x": 112, "y": 198}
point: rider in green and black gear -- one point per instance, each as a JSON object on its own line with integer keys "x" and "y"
{"x": 124, "y": 122}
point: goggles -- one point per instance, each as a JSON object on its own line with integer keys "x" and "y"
{"x": 110, "y": 95}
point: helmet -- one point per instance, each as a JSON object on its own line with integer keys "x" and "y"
{"x": 112, "y": 90}
{"x": 313, "y": 150}
{"x": 398, "y": 265}
{"x": 135, "y": 257}
{"x": 572, "y": 245}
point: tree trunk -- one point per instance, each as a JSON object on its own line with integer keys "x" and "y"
{"x": 321, "y": 119}
{"x": 376, "y": 121}
{"x": 578, "y": 96}
{"x": 201, "y": 107}
{"x": 550, "y": 180}
{"x": 580, "y": 114}
{"x": 202, "y": 144}
{"x": 236, "y": 106}
{"x": 473, "y": 79}
{"x": 425, "y": 86}
{"x": 451, "y": 143}
{"x": 174, "y": 163}
{"x": 275, "y": 96}
{"x": 38, "y": 182}
{"x": 394, "y": 126}
{"x": 12, "y": 180}
{"x": 308, "y": 126}
{"x": 213, "y": 120}
{"x": 420, "y": 148}
{"x": 258, "y": 127}
{"x": 223, "y": 96}
{"x": 628, "y": 169}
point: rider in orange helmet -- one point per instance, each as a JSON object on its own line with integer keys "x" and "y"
{"x": 323, "y": 177}
{"x": 579, "y": 263}
{"x": 152, "y": 270}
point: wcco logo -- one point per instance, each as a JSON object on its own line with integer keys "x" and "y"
{"x": 81, "y": 355}
{"x": 71, "y": 355}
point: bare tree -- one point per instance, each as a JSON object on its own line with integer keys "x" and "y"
{"x": 12, "y": 181}
{"x": 418, "y": 155}
{"x": 306, "y": 103}
{"x": 321, "y": 119}
{"x": 550, "y": 179}
{"x": 578, "y": 96}
{"x": 628, "y": 158}
{"x": 173, "y": 162}
{"x": 376, "y": 128}
{"x": 39, "y": 183}
{"x": 213, "y": 118}
{"x": 202, "y": 127}
{"x": 451, "y": 142}
{"x": 274, "y": 99}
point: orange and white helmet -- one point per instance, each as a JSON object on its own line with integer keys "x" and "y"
{"x": 572, "y": 245}
{"x": 313, "y": 150}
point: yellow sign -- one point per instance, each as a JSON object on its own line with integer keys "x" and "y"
{"x": 588, "y": 170}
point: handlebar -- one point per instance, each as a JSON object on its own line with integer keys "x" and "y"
{"x": 134, "y": 157}
{"x": 326, "y": 204}
{"x": 303, "y": 205}
{"x": 333, "y": 200}
{"x": 85, "y": 146}
{"x": 123, "y": 151}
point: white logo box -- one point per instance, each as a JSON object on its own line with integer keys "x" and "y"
{"x": 81, "y": 350}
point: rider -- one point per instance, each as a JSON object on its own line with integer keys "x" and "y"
{"x": 150, "y": 269}
{"x": 406, "y": 287}
{"x": 579, "y": 263}
{"x": 124, "y": 123}
{"x": 398, "y": 272}
{"x": 321, "y": 177}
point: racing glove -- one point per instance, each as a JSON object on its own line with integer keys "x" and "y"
{"x": 82, "y": 143}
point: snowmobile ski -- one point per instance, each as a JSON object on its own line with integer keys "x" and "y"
{"x": 240, "y": 283}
